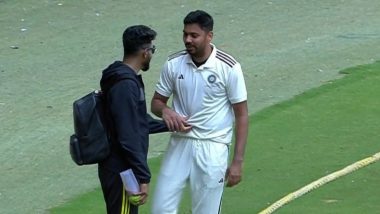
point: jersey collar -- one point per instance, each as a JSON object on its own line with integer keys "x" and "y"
{"x": 209, "y": 64}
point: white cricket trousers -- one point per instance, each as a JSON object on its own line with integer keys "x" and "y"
{"x": 202, "y": 164}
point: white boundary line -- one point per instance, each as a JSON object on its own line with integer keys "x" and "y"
{"x": 315, "y": 184}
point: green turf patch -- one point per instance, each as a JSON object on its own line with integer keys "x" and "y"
{"x": 296, "y": 142}
{"x": 86, "y": 203}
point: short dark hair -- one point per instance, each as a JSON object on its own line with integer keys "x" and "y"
{"x": 200, "y": 17}
{"x": 137, "y": 37}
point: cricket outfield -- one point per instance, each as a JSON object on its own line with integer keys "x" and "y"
{"x": 52, "y": 52}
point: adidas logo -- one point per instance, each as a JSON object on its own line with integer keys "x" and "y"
{"x": 221, "y": 180}
{"x": 180, "y": 77}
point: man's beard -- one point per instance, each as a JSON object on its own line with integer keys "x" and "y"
{"x": 195, "y": 51}
{"x": 145, "y": 66}
{"x": 191, "y": 49}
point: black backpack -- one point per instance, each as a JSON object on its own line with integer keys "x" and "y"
{"x": 90, "y": 142}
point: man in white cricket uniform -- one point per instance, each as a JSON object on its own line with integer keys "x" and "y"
{"x": 209, "y": 94}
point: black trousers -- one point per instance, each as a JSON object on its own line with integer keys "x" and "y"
{"x": 115, "y": 196}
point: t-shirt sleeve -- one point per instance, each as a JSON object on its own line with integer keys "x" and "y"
{"x": 165, "y": 83}
{"x": 236, "y": 89}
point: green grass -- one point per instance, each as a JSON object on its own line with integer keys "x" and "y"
{"x": 296, "y": 142}
{"x": 284, "y": 47}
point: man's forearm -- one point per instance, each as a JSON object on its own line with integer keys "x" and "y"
{"x": 156, "y": 125}
{"x": 157, "y": 107}
{"x": 158, "y": 104}
{"x": 241, "y": 129}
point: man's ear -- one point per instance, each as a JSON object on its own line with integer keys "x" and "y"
{"x": 145, "y": 54}
{"x": 210, "y": 35}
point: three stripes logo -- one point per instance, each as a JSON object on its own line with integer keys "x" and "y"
{"x": 225, "y": 58}
{"x": 181, "y": 77}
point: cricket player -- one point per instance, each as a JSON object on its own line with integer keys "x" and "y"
{"x": 209, "y": 95}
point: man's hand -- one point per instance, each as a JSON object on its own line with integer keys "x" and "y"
{"x": 144, "y": 189}
{"x": 234, "y": 173}
{"x": 174, "y": 121}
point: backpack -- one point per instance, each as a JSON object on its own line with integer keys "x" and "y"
{"x": 90, "y": 142}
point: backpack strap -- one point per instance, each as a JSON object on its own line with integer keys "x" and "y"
{"x": 113, "y": 80}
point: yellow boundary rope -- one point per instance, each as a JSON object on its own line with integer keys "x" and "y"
{"x": 315, "y": 184}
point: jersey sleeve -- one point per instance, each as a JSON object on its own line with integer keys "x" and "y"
{"x": 236, "y": 89}
{"x": 165, "y": 83}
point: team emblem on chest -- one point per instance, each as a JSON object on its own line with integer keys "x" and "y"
{"x": 211, "y": 78}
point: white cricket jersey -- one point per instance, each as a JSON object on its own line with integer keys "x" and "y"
{"x": 204, "y": 94}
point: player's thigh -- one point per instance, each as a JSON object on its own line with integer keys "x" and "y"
{"x": 177, "y": 159}
{"x": 211, "y": 164}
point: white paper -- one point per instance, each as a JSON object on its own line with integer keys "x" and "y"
{"x": 129, "y": 181}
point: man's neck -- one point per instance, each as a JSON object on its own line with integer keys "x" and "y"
{"x": 132, "y": 64}
{"x": 199, "y": 63}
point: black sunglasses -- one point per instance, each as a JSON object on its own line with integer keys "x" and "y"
{"x": 153, "y": 49}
